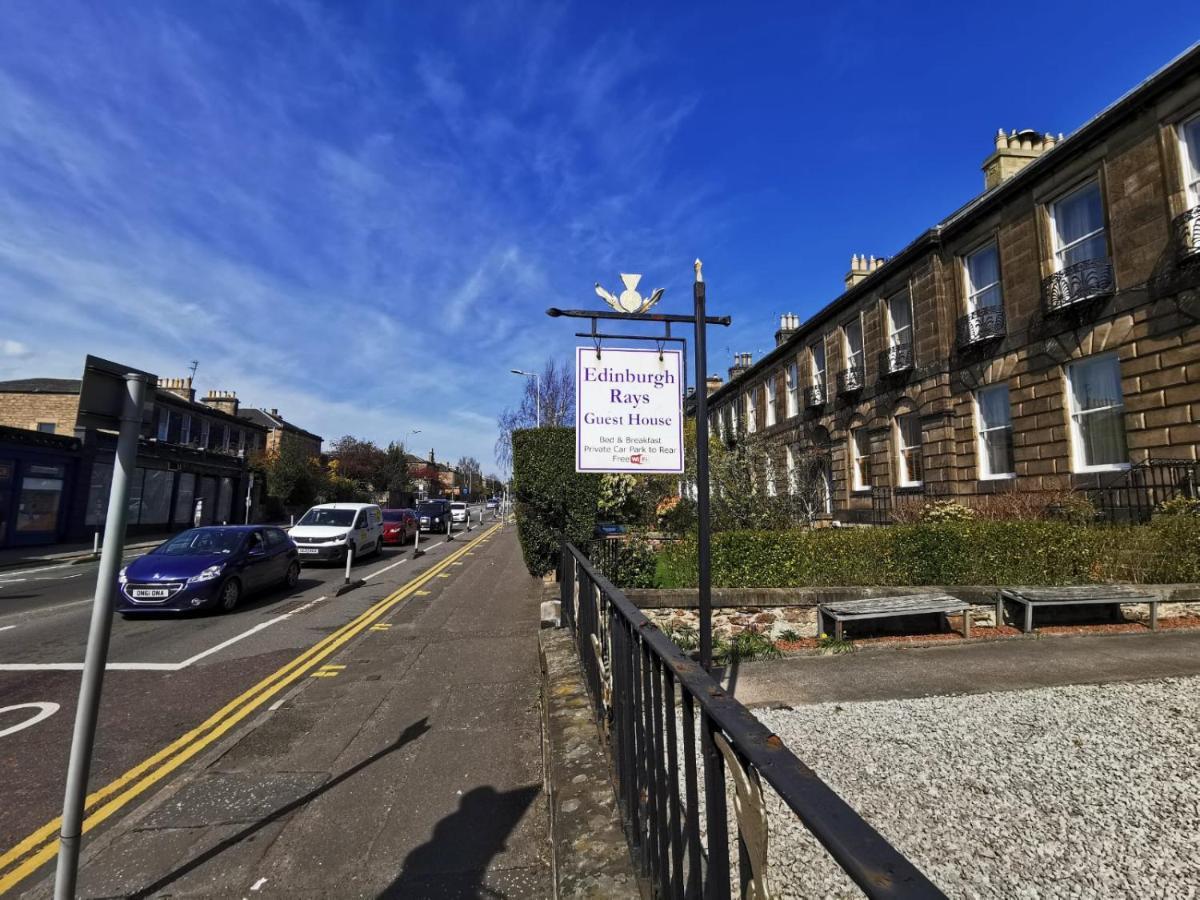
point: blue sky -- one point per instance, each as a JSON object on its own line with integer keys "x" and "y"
{"x": 357, "y": 212}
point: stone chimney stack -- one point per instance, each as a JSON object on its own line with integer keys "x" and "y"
{"x": 180, "y": 387}
{"x": 741, "y": 362}
{"x": 274, "y": 412}
{"x": 788, "y": 324}
{"x": 1014, "y": 152}
{"x": 860, "y": 267}
{"x": 713, "y": 383}
{"x": 225, "y": 401}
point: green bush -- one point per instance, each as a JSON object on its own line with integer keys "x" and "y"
{"x": 969, "y": 552}
{"x": 946, "y": 511}
{"x": 1179, "y": 506}
{"x": 551, "y": 498}
{"x": 633, "y": 565}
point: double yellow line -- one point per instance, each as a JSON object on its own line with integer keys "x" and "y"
{"x": 26, "y": 857}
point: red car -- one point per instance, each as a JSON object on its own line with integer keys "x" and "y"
{"x": 399, "y": 526}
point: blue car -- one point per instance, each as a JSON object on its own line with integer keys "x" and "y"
{"x": 208, "y": 568}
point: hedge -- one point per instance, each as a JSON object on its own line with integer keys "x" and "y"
{"x": 551, "y": 498}
{"x": 1167, "y": 551}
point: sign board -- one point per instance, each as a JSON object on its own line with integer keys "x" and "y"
{"x": 628, "y": 411}
{"x": 102, "y": 393}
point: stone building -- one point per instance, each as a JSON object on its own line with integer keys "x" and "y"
{"x": 281, "y": 432}
{"x": 189, "y": 451}
{"x": 1044, "y": 337}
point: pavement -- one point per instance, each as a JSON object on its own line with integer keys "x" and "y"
{"x": 49, "y": 554}
{"x": 382, "y": 743}
{"x": 966, "y": 668}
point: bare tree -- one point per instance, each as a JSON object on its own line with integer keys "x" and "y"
{"x": 553, "y": 392}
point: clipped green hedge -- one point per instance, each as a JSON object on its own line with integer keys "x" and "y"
{"x": 1167, "y": 551}
{"x": 551, "y": 498}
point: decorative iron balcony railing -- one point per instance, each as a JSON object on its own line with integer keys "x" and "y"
{"x": 896, "y": 359}
{"x": 985, "y": 324}
{"x": 851, "y": 379}
{"x": 1078, "y": 283}
{"x": 1186, "y": 231}
{"x": 815, "y": 395}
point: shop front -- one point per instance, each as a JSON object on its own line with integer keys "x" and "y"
{"x": 37, "y": 478}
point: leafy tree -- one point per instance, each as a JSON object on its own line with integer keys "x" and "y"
{"x": 432, "y": 476}
{"x": 553, "y": 392}
{"x": 359, "y": 461}
{"x": 393, "y": 475}
{"x": 293, "y": 478}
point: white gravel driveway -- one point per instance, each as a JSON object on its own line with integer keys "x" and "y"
{"x": 1081, "y": 791}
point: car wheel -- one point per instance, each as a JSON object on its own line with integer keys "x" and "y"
{"x": 292, "y": 578}
{"x": 231, "y": 592}
{"x": 379, "y": 547}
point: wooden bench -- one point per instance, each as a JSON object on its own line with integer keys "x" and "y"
{"x": 841, "y": 611}
{"x": 1080, "y": 595}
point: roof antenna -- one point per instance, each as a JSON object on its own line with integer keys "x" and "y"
{"x": 194, "y": 366}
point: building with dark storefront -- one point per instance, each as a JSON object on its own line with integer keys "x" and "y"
{"x": 1043, "y": 338}
{"x": 192, "y": 460}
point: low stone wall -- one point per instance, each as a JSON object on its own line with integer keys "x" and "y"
{"x": 773, "y": 611}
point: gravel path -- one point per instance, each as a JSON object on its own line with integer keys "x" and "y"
{"x": 1081, "y": 791}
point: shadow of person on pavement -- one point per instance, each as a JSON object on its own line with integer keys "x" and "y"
{"x": 454, "y": 862}
{"x": 410, "y": 734}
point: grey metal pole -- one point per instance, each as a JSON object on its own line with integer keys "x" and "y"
{"x": 87, "y": 710}
{"x": 704, "y": 537}
{"x": 537, "y": 381}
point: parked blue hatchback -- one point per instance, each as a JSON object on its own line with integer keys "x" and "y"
{"x": 208, "y": 568}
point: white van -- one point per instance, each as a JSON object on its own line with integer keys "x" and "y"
{"x": 326, "y": 531}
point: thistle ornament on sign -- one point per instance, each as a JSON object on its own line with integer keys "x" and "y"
{"x": 630, "y": 300}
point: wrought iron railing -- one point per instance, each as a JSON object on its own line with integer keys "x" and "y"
{"x": 985, "y": 324}
{"x": 815, "y": 395}
{"x": 851, "y": 379}
{"x": 1134, "y": 496}
{"x": 1185, "y": 229}
{"x": 1078, "y": 283}
{"x": 896, "y": 359}
{"x": 652, "y": 702}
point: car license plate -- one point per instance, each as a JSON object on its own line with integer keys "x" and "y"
{"x": 149, "y": 593}
{"x": 306, "y": 549}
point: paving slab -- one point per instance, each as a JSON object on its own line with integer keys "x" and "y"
{"x": 966, "y": 668}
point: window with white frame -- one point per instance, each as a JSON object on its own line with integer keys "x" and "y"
{"x": 1078, "y": 226}
{"x": 1097, "y": 410}
{"x": 205, "y": 429}
{"x": 790, "y": 458}
{"x": 860, "y": 465}
{"x": 793, "y": 389}
{"x": 164, "y": 424}
{"x": 825, "y": 486}
{"x": 1189, "y": 151}
{"x": 908, "y": 449}
{"x": 852, "y": 343}
{"x": 185, "y": 429}
{"x": 816, "y": 355}
{"x": 751, "y": 413}
{"x": 994, "y": 424}
{"x": 983, "y": 278}
{"x": 899, "y": 308}
{"x": 769, "y": 468}
{"x": 770, "y": 410}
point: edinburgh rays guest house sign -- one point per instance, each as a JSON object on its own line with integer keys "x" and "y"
{"x": 628, "y": 411}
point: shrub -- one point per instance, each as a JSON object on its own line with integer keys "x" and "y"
{"x": 686, "y": 637}
{"x": 1179, "y": 506}
{"x": 744, "y": 646}
{"x": 946, "y": 511}
{"x": 948, "y": 553}
{"x": 551, "y": 499}
{"x": 633, "y": 565}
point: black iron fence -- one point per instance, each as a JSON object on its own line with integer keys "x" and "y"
{"x": 652, "y": 703}
{"x": 1135, "y": 496}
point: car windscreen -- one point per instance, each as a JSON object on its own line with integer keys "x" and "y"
{"x": 430, "y": 509}
{"x": 199, "y": 541}
{"x": 342, "y": 518}
{"x": 393, "y": 515}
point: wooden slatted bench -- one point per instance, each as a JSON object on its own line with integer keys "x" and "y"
{"x": 841, "y": 611}
{"x": 1080, "y": 595}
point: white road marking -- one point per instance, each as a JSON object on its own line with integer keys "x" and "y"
{"x": 157, "y": 667}
{"x": 14, "y": 580}
{"x": 258, "y": 884}
{"x": 6, "y": 627}
{"x": 278, "y": 703}
{"x": 45, "y": 711}
{"x": 384, "y": 569}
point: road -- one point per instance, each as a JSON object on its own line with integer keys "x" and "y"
{"x": 165, "y": 676}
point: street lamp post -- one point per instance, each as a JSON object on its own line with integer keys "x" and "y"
{"x": 537, "y": 386}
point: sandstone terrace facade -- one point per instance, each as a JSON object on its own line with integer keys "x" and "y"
{"x": 1044, "y": 337}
